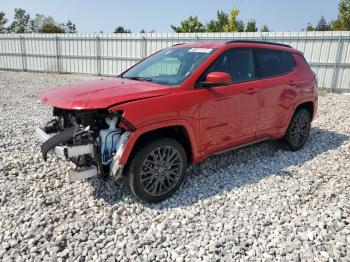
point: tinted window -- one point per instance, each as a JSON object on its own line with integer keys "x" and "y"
{"x": 273, "y": 63}
{"x": 236, "y": 62}
{"x": 289, "y": 61}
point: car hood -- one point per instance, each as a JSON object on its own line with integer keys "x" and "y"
{"x": 100, "y": 94}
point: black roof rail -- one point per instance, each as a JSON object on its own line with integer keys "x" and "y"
{"x": 256, "y": 42}
{"x": 178, "y": 44}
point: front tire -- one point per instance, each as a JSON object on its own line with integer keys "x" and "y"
{"x": 298, "y": 130}
{"x": 157, "y": 170}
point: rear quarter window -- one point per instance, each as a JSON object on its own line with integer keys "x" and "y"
{"x": 270, "y": 63}
{"x": 289, "y": 61}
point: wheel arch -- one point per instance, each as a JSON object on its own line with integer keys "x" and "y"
{"x": 180, "y": 132}
{"x": 310, "y": 104}
{"x": 307, "y": 105}
{"x": 177, "y": 133}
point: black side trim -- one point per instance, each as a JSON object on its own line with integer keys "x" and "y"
{"x": 179, "y": 44}
{"x": 256, "y": 42}
{"x": 60, "y": 138}
{"x": 209, "y": 84}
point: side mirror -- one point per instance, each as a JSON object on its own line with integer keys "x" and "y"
{"x": 217, "y": 79}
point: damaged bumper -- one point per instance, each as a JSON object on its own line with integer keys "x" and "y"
{"x": 57, "y": 144}
{"x": 63, "y": 152}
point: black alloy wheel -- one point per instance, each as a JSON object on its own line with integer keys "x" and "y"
{"x": 157, "y": 170}
{"x": 298, "y": 130}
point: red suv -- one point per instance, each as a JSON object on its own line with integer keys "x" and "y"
{"x": 178, "y": 107}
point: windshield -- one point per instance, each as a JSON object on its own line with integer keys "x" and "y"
{"x": 170, "y": 66}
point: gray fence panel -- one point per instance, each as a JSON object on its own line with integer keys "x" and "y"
{"x": 110, "y": 54}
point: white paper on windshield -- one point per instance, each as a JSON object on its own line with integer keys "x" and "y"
{"x": 200, "y": 50}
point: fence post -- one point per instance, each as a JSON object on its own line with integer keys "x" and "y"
{"x": 58, "y": 54}
{"x": 336, "y": 64}
{"x": 262, "y": 38}
{"x": 23, "y": 53}
{"x": 143, "y": 47}
{"x": 98, "y": 55}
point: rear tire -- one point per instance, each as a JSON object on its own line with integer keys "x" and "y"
{"x": 298, "y": 130}
{"x": 157, "y": 170}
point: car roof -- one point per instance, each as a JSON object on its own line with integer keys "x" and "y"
{"x": 238, "y": 43}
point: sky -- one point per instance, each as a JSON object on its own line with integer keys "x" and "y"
{"x": 93, "y": 16}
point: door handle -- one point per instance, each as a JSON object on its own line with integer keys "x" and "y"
{"x": 251, "y": 91}
{"x": 292, "y": 83}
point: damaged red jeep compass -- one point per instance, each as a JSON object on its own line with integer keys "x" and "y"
{"x": 176, "y": 108}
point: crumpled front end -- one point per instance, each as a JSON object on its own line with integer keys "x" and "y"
{"x": 92, "y": 139}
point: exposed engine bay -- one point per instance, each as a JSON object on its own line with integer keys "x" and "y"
{"x": 92, "y": 139}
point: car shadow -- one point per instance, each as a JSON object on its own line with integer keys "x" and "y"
{"x": 227, "y": 171}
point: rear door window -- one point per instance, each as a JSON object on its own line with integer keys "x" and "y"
{"x": 270, "y": 63}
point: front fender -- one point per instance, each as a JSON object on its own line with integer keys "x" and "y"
{"x": 153, "y": 127}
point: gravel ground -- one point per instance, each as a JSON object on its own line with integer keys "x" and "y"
{"x": 259, "y": 203}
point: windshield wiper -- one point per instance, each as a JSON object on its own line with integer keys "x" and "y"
{"x": 139, "y": 78}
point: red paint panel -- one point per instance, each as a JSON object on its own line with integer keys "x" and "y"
{"x": 100, "y": 94}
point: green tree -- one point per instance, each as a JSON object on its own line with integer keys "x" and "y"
{"x": 310, "y": 27}
{"x": 37, "y": 23}
{"x": 51, "y": 26}
{"x": 240, "y": 25}
{"x": 69, "y": 27}
{"x": 344, "y": 14}
{"x": 143, "y": 31}
{"x": 337, "y": 25}
{"x": 222, "y": 23}
{"x": 219, "y": 24}
{"x": 232, "y": 21}
{"x": 322, "y": 25}
{"x": 3, "y": 21}
{"x": 251, "y": 26}
{"x": 190, "y": 25}
{"x": 121, "y": 29}
{"x": 42, "y": 24}
{"x": 20, "y": 22}
{"x": 265, "y": 28}
{"x": 342, "y": 23}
